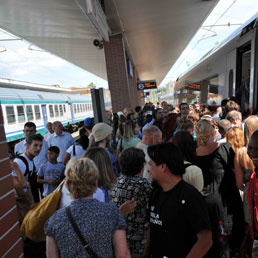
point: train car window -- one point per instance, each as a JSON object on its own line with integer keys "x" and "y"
{"x": 85, "y": 107}
{"x": 21, "y": 114}
{"x": 37, "y": 112}
{"x": 78, "y": 108}
{"x": 51, "y": 111}
{"x": 64, "y": 108}
{"x": 10, "y": 114}
{"x": 29, "y": 113}
{"x": 56, "y": 110}
{"x": 81, "y": 107}
{"x": 75, "y": 108}
{"x": 61, "y": 110}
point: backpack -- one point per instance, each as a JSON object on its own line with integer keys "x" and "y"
{"x": 32, "y": 178}
{"x": 34, "y": 221}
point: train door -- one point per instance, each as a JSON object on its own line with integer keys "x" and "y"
{"x": 230, "y": 83}
{"x": 45, "y": 119}
{"x": 72, "y": 113}
{"x": 243, "y": 76}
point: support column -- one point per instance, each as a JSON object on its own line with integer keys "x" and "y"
{"x": 123, "y": 88}
{"x": 10, "y": 239}
{"x": 117, "y": 73}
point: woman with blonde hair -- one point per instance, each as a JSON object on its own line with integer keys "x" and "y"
{"x": 129, "y": 137}
{"x": 219, "y": 191}
{"x": 101, "y": 224}
{"x": 107, "y": 178}
{"x": 243, "y": 164}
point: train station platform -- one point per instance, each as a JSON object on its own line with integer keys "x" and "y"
{"x": 139, "y": 41}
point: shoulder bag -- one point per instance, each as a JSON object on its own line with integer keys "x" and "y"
{"x": 84, "y": 243}
{"x": 34, "y": 221}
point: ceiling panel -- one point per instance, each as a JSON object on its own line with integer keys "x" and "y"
{"x": 155, "y": 32}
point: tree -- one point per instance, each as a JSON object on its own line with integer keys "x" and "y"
{"x": 92, "y": 85}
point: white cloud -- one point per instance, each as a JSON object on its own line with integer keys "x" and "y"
{"x": 53, "y": 62}
{"x": 19, "y": 72}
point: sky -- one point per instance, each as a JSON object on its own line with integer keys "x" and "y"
{"x": 20, "y": 63}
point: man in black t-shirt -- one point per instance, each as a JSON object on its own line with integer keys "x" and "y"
{"x": 179, "y": 220}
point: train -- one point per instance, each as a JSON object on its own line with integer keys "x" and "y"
{"x": 22, "y": 105}
{"x": 229, "y": 69}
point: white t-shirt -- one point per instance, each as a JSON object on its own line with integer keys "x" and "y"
{"x": 193, "y": 175}
{"x": 144, "y": 148}
{"x": 66, "y": 198}
{"x": 79, "y": 151}
{"x": 22, "y": 166}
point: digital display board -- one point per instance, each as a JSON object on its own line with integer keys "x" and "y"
{"x": 147, "y": 85}
{"x": 193, "y": 86}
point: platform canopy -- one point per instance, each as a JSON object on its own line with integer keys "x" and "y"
{"x": 155, "y": 32}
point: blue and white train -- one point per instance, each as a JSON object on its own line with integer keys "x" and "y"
{"x": 20, "y": 106}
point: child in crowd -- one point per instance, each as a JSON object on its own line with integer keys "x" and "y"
{"x": 51, "y": 173}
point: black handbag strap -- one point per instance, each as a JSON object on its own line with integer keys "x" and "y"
{"x": 74, "y": 150}
{"x": 85, "y": 244}
{"x": 121, "y": 145}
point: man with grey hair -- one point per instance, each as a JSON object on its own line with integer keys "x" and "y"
{"x": 151, "y": 135}
{"x": 49, "y": 126}
{"x": 61, "y": 139}
{"x": 235, "y": 118}
{"x": 223, "y": 126}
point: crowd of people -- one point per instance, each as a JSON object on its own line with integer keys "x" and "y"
{"x": 157, "y": 181}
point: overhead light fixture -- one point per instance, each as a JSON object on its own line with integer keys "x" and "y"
{"x": 98, "y": 18}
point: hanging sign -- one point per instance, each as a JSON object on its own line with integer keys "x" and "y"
{"x": 146, "y": 85}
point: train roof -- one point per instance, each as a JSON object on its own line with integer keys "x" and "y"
{"x": 221, "y": 45}
{"x": 11, "y": 94}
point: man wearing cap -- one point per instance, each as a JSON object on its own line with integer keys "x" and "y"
{"x": 102, "y": 136}
{"x": 61, "y": 139}
{"x": 88, "y": 125}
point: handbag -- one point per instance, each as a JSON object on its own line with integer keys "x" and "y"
{"x": 83, "y": 241}
{"x": 24, "y": 201}
{"x": 34, "y": 221}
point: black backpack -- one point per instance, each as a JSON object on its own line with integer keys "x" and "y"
{"x": 32, "y": 178}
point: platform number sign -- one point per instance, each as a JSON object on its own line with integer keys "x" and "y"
{"x": 146, "y": 85}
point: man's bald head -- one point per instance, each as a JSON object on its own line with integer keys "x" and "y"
{"x": 224, "y": 125}
{"x": 151, "y": 135}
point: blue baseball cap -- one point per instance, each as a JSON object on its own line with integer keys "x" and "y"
{"x": 88, "y": 122}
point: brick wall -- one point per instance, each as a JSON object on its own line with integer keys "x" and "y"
{"x": 10, "y": 240}
{"x": 117, "y": 73}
